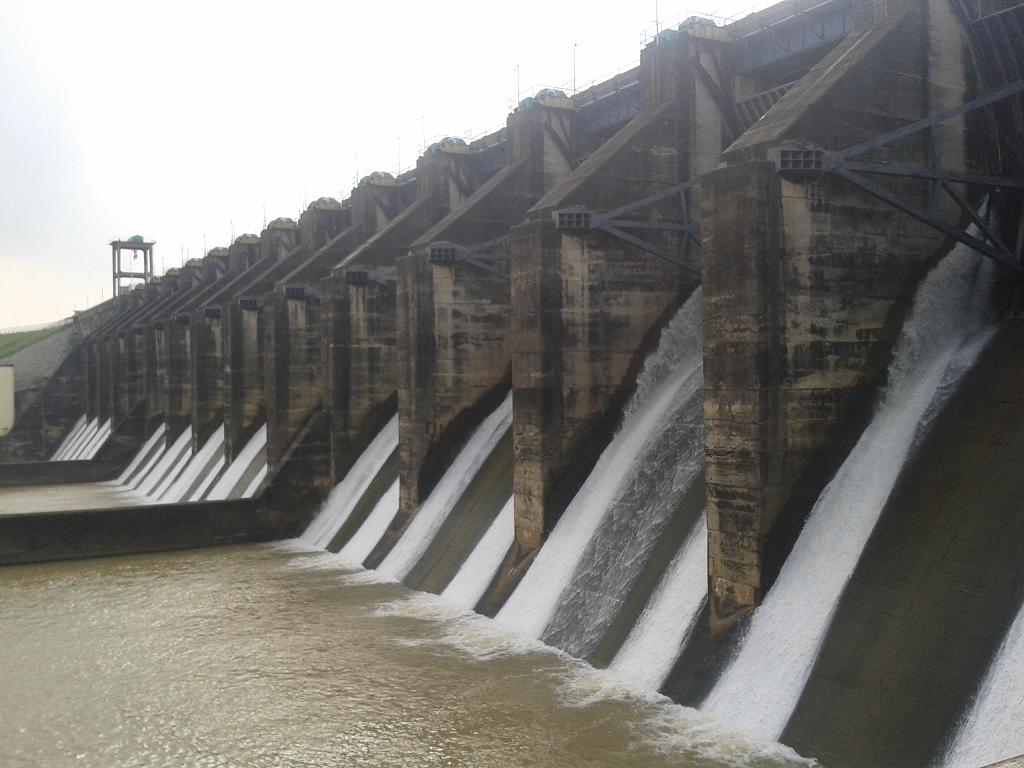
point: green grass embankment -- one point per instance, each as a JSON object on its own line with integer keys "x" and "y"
{"x": 15, "y": 342}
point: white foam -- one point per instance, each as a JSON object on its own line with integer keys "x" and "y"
{"x": 993, "y": 730}
{"x": 133, "y": 483}
{"x": 658, "y": 637}
{"x": 165, "y": 464}
{"x": 671, "y": 377}
{"x": 87, "y": 436}
{"x": 226, "y": 486}
{"x": 476, "y": 573}
{"x": 92, "y": 447}
{"x": 346, "y": 495}
{"x": 84, "y": 436}
{"x": 177, "y": 467}
{"x": 209, "y": 480}
{"x": 434, "y": 511}
{"x": 370, "y": 532}
{"x": 198, "y": 466}
{"x": 142, "y": 455}
{"x": 257, "y": 481}
{"x": 71, "y": 436}
{"x": 939, "y": 342}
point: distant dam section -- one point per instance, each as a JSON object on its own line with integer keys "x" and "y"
{"x": 708, "y": 376}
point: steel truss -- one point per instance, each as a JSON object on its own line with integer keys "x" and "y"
{"x": 364, "y": 276}
{"x": 481, "y": 255}
{"x": 845, "y": 163}
{"x": 579, "y": 218}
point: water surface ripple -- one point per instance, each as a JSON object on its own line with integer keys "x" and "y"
{"x": 249, "y": 656}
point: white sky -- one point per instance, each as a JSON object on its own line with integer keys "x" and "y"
{"x": 181, "y": 120}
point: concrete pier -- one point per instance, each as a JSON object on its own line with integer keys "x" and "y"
{"x": 208, "y": 341}
{"x": 806, "y": 282}
{"x": 455, "y": 299}
{"x": 362, "y": 323}
{"x": 245, "y": 342}
{"x": 586, "y": 306}
{"x": 294, "y": 386}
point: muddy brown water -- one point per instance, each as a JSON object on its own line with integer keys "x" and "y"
{"x": 267, "y": 656}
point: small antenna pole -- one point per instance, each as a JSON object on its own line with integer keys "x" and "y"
{"x": 574, "y": 69}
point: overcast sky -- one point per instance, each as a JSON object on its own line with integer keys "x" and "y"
{"x": 186, "y": 121}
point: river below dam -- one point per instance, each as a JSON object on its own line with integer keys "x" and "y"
{"x": 268, "y": 655}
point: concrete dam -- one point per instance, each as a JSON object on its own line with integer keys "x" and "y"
{"x": 709, "y": 375}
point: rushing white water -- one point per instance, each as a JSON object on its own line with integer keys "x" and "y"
{"x": 657, "y": 639}
{"x": 87, "y": 436}
{"x": 214, "y": 474}
{"x": 148, "y": 467}
{"x": 87, "y": 440}
{"x": 659, "y": 479}
{"x": 143, "y": 455}
{"x": 365, "y": 539}
{"x": 76, "y": 430}
{"x": 257, "y": 481}
{"x": 177, "y": 467}
{"x": 669, "y": 380}
{"x": 84, "y": 436}
{"x": 994, "y": 728}
{"x": 90, "y": 449}
{"x": 167, "y": 461}
{"x": 433, "y": 512}
{"x": 198, "y": 467}
{"x": 943, "y": 336}
{"x": 346, "y": 494}
{"x": 228, "y": 483}
{"x": 101, "y": 440}
{"x": 476, "y": 573}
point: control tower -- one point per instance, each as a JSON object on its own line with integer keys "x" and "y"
{"x": 122, "y": 274}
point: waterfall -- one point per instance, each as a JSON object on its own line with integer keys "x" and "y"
{"x": 657, "y": 639}
{"x": 944, "y": 334}
{"x": 141, "y": 457}
{"x": 241, "y": 468}
{"x": 177, "y": 466}
{"x": 62, "y": 449}
{"x": 476, "y": 573}
{"x": 196, "y": 469}
{"x": 99, "y": 439}
{"x": 668, "y": 395}
{"x": 257, "y": 481}
{"x": 84, "y": 435}
{"x": 165, "y": 465}
{"x": 659, "y": 477}
{"x": 346, "y": 494}
{"x": 148, "y": 465}
{"x": 365, "y": 539}
{"x": 211, "y": 477}
{"x": 994, "y": 728}
{"x": 432, "y": 512}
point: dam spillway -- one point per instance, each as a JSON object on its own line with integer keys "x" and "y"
{"x": 706, "y": 376}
